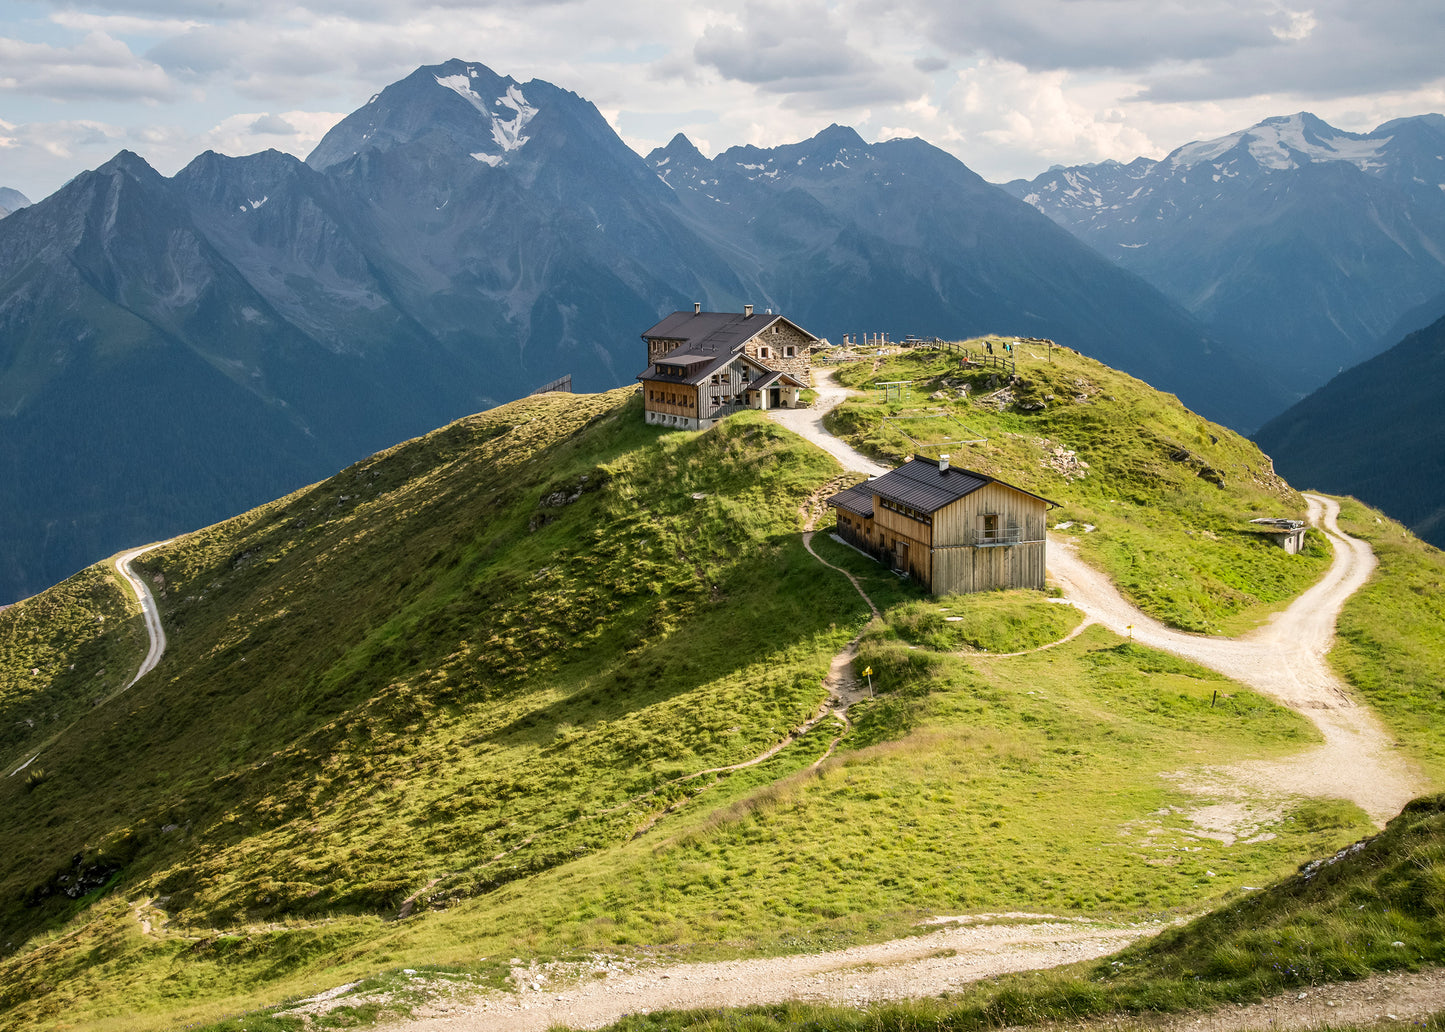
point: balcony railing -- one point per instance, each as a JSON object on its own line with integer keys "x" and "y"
{"x": 992, "y": 539}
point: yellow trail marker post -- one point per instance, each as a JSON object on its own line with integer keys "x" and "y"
{"x": 868, "y": 673}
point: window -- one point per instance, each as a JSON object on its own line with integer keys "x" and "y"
{"x": 765, "y": 352}
{"x": 790, "y": 351}
{"x": 989, "y": 524}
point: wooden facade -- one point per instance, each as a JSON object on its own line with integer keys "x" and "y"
{"x": 674, "y": 399}
{"x": 952, "y": 530}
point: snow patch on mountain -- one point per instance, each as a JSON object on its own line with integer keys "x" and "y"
{"x": 506, "y": 131}
{"x": 1280, "y": 144}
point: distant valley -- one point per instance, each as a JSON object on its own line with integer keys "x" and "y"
{"x": 1376, "y": 431}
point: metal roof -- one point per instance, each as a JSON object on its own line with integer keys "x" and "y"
{"x": 857, "y": 499}
{"x": 715, "y": 332}
{"x": 920, "y": 484}
{"x": 773, "y": 377}
{"x": 697, "y": 369}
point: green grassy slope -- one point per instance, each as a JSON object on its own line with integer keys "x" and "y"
{"x": 61, "y": 654}
{"x": 1377, "y": 906}
{"x": 457, "y": 702}
{"x": 1391, "y": 643}
{"x": 1170, "y": 493}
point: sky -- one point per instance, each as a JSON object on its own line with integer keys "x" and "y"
{"x": 1009, "y": 88}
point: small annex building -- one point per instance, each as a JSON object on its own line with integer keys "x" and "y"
{"x": 953, "y": 530}
{"x": 707, "y": 365}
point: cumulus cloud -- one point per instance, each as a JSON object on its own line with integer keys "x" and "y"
{"x": 802, "y": 50}
{"x": 296, "y": 132}
{"x": 272, "y": 125}
{"x": 98, "y": 67}
{"x": 1007, "y": 88}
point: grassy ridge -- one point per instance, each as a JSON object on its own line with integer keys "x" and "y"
{"x": 1169, "y": 492}
{"x": 450, "y": 667}
{"x": 1374, "y": 907}
{"x": 447, "y": 705}
{"x": 61, "y": 654}
{"x": 1391, "y": 634}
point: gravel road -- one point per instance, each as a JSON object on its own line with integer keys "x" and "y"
{"x": 1285, "y": 659}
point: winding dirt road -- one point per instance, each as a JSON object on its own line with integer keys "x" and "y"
{"x": 148, "y": 607}
{"x": 1284, "y": 659}
{"x": 152, "y": 616}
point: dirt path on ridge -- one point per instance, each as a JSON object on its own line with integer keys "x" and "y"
{"x": 807, "y": 423}
{"x": 1285, "y": 660}
{"x": 151, "y": 613}
{"x": 148, "y": 606}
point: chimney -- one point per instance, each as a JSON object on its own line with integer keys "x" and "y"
{"x": 943, "y": 464}
{"x": 697, "y": 308}
{"x": 747, "y": 311}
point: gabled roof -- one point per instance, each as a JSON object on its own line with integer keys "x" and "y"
{"x": 696, "y": 369}
{"x": 920, "y": 484}
{"x": 716, "y": 331}
{"x": 857, "y": 499}
{"x": 773, "y": 377}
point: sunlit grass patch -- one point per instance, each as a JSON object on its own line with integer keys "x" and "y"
{"x": 1167, "y": 496}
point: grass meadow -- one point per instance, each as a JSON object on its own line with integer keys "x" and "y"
{"x": 464, "y": 703}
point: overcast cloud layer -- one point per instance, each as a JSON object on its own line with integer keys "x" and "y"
{"x": 1009, "y": 88}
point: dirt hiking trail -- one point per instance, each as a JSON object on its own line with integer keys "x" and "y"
{"x": 1285, "y": 659}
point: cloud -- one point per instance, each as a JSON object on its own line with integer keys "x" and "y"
{"x": 1339, "y": 50}
{"x": 295, "y": 132}
{"x": 99, "y": 67}
{"x": 802, "y": 50}
{"x": 272, "y": 125}
{"x": 1094, "y": 34}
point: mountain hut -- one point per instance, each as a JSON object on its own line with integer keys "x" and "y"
{"x": 953, "y": 530}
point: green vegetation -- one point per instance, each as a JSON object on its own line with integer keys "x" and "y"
{"x": 1171, "y": 494}
{"x": 549, "y": 681}
{"x": 1376, "y": 906}
{"x": 1000, "y": 621}
{"x": 61, "y": 654}
{"x": 1391, "y": 634}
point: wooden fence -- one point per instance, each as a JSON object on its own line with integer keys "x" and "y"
{"x": 968, "y": 358}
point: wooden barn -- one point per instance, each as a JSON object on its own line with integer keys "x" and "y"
{"x": 953, "y": 530}
{"x": 707, "y": 365}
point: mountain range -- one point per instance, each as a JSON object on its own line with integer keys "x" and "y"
{"x": 173, "y": 350}
{"x": 11, "y": 200}
{"x": 1376, "y": 431}
{"x": 1313, "y": 247}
